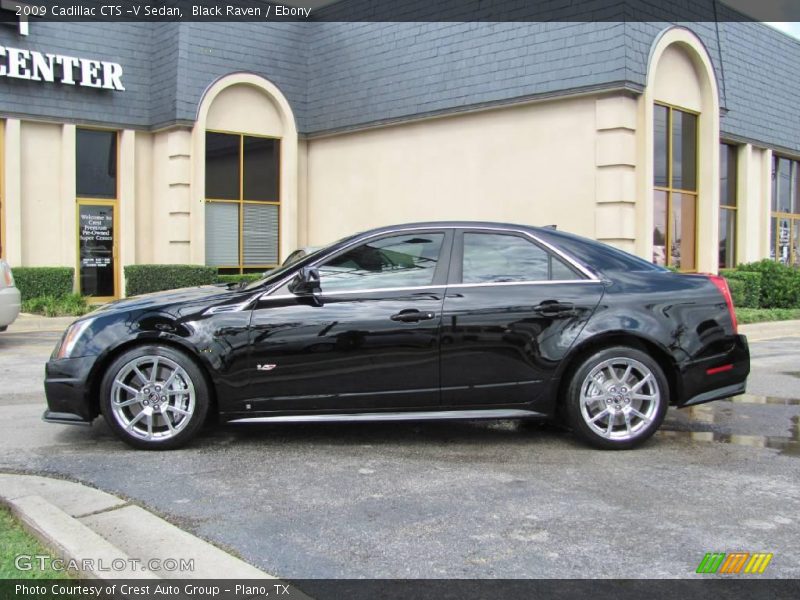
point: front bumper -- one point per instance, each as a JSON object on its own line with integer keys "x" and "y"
{"x": 9, "y": 306}
{"x": 67, "y": 390}
{"x": 720, "y": 376}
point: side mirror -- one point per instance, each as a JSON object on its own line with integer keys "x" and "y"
{"x": 306, "y": 282}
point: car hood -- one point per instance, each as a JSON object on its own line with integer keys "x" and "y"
{"x": 163, "y": 299}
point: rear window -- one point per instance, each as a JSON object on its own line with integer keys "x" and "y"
{"x": 596, "y": 255}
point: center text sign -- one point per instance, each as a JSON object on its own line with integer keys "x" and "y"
{"x": 18, "y": 63}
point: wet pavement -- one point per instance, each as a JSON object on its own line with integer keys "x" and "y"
{"x": 463, "y": 499}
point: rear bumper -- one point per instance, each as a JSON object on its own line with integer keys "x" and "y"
{"x": 9, "y": 306}
{"x": 716, "y": 377}
{"x": 67, "y": 391}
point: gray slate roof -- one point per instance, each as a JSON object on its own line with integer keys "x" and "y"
{"x": 345, "y": 75}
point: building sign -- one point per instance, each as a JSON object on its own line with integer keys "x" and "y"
{"x": 18, "y": 63}
{"x": 96, "y": 242}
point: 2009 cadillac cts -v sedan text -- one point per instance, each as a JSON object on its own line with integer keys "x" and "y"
{"x": 421, "y": 321}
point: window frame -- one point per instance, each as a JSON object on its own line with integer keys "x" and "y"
{"x": 670, "y": 191}
{"x": 242, "y": 268}
{"x": 456, "y": 276}
{"x": 99, "y": 201}
{"x": 440, "y": 273}
{"x": 792, "y": 217}
{"x": 732, "y": 208}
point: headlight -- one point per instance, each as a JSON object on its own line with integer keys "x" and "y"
{"x": 71, "y": 337}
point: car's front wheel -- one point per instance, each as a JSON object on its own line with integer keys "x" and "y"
{"x": 617, "y": 398}
{"x": 154, "y": 397}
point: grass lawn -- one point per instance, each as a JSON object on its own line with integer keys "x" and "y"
{"x": 759, "y": 315}
{"x": 14, "y": 540}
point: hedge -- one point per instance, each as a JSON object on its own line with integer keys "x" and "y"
{"x": 745, "y": 287}
{"x": 780, "y": 284}
{"x": 35, "y": 282}
{"x": 144, "y": 279}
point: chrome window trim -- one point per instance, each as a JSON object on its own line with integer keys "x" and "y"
{"x": 443, "y": 288}
{"x": 368, "y": 290}
{"x": 591, "y": 277}
{"x": 547, "y": 282}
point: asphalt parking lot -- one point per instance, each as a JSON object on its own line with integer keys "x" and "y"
{"x": 455, "y": 500}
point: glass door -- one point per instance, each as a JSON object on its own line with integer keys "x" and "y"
{"x": 97, "y": 249}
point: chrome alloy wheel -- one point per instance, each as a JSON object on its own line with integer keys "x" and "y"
{"x": 619, "y": 398}
{"x": 152, "y": 398}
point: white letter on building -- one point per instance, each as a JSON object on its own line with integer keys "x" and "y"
{"x": 67, "y": 63}
{"x": 42, "y": 67}
{"x": 18, "y": 63}
{"x": 90, "y": 73}
{"x": 112, "y": 76}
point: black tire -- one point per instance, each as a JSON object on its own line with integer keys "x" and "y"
{"x": 612, "y": 414}
{"x": 177, "y": 397}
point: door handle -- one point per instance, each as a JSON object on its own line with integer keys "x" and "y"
{"x": 554, "y": 308}
{"x": 412, "y": 315}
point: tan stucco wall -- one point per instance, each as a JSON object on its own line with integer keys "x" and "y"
{"x": 677, "y": 80}
{"x": 41, "y": 209}
{"x": 531, "y": 164}
{"x": 245, "y": 109}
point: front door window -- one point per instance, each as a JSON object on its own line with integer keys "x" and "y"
{"x": 391, "y": 262}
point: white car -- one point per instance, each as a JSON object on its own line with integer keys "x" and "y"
{"x": 9, "y": 297}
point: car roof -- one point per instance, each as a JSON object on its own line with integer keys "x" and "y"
{"x": 454, "y": 225}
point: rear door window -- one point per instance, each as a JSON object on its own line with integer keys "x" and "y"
{"x": 504, "y": 258}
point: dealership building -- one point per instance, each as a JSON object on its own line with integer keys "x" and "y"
{"x": 232, "y": 144}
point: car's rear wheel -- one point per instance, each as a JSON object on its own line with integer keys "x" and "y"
{"x": 617, "y": 398}
{"x": 154, "y": 397}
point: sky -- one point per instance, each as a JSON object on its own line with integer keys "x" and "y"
{"x": 790, "y": 28}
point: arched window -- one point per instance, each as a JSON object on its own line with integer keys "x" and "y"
{"x": 675, "y": 183}
{"x": 245, "y": 181}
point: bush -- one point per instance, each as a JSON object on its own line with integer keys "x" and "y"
{"x": 69, "y": 305}
{"x": 36, "y": 282}
{"x": 780, "y": 284}
{"x": 745, "y": 287}
{"x": 736, "y": 287}
{"x": 144, "y": 279}
{"x": 246, "y": 278}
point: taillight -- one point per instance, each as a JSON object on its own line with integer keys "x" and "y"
{"x": 722, "y": 286}
{"x": 7, "y": 276}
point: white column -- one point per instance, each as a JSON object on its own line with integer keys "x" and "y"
{"x": 179, "y": 177}
{"x": 615, "y": 183}
{"x": 749, "y": 202}
{"x": 68, "y": 203}
{"x": 126, "y": 206}
{"x": 13, "y": 194}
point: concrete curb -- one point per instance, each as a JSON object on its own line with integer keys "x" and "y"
{"x": 71, "y": 540}
{"x": 102, "y": 533}
{"x": 757, "y": 332}
{"x": 28, "y": 323}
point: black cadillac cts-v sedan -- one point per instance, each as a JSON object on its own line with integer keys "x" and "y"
{"x": 421, "y": 321}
